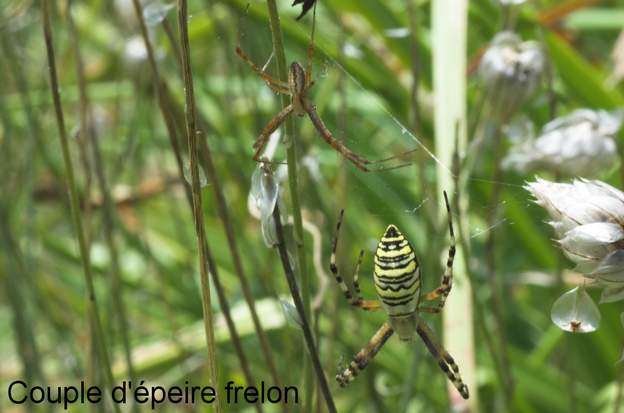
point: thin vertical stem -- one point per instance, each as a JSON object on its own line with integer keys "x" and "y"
{"x": 223, "y": 212}
{"x": 108, "y": 211}
{"x": 191, "y": 132}
{"x": 94, "y": 315}
{"x": 167, "y": 108}
{"x": 299, "y": 305}
{"x": 412, "y": 14}
{"x": 278, "y": 46}
{"x": 493, "y": 276}
{"x": 449, "y": 42}
{"x": 291, "y": 159}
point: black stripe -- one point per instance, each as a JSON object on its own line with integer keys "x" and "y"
{"x": 399, "y": 315}
{"x": 399, "y": 298}
{"x": 383, "y": 266}
{"x": 385, "y": 245}
{"x": 397, "y": 280}
{"x": 427, "y": 342}
{"x": 444, "y": 367}
{"x": 397, "y": 304}
{"x": 397, "y": 288}
{"x": 394, "y": 259}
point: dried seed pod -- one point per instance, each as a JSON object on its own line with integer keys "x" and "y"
{"x": 588, "y": 218}
{"x": 581, "y": 143}
{"x": 510, "y": 71}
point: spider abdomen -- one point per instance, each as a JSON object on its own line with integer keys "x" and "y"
{"x": 397, "y": 274}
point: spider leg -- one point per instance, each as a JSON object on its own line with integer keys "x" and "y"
{"x": 356, "y": 301}
{"x": 365, "y": 355}
{"x": 444, "y": 289}
{"x": 276, "y": 85}
{"x": 271, "y": 127}
{"x": 376, "y": 161}
{"x": 357, "y": 160}
{"x": 390, "y": 158}
{"x": 444, "y": 359}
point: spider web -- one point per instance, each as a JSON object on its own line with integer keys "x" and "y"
{"x": 409, "y": 193}
{"x": 401, "y": 131}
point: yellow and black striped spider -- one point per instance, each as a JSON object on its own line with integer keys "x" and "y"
{"x": 298, "y": 85}
{"x": 397, "y": 281}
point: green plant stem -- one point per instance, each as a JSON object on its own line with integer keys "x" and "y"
{"x": 108, "y": 210}
{"x": 461, "y": 175}
{"x": 412, "y": 13}
{"x": 479, "y": 308}
{"x": 449, "y": 42}
{"x": 493, "y": 276}
{"x": 168, "y": 108}
{"x": 291, "y": 159}
{"x": 191, "y": 132}
{"x": 94, "y": 315}
{"x": 209, "y": 168}
{"x": 299, "y": 305}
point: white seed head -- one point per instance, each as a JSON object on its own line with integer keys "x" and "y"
{"x": 510, "y": 71}
{"x": 579, "y": 144}
{"x": 588, "y": 218}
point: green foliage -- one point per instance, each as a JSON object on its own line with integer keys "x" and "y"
{"x": 363, "y": 71}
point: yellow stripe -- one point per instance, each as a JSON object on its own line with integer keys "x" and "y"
{"x": 394, "y": 253}
{"x": 411, "y": 267}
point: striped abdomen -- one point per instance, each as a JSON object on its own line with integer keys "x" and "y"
{"x": 397, "y": 275}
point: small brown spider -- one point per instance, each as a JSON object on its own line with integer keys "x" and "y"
{"x": 298, "y": 85}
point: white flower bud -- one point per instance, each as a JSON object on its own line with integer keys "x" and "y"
{"x": 579, "y": 144}
{"x": 575, "y": 312}
{"x": 511, "y": 71}
{"x": 591, "y": 241}
{"x": 588, "y": 217}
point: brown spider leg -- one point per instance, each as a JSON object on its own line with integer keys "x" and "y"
{"x": 358, "y": 161}
{"x": 356, "y": 301}
{"x": 389, "y": 168}
{"x": 355, "y": 159}
{"x": 271, "y": 127}
{"x": 376, "y": 161}
{"x": 365, "y": 355}
{"x": 276, "y": 85}
{"x": 444, "y": 359}
{"x": 356, "y": 277}
{"x": 444, "y": 289}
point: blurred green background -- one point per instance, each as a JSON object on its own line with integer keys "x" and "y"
{"x": 367, "y": 53}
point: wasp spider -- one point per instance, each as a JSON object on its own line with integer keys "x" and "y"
{"x": 298, "y": 87}
{"x": 397, "y": 281}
